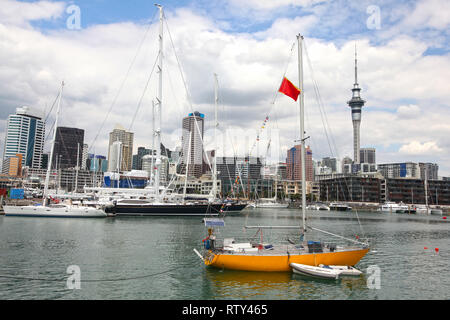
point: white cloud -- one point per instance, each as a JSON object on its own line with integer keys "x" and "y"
{"x": 271, "y": 4}
{"x": 20, "y": 13}
{"x": 429, "y": 13}
{"x": 408, "y": 112}
{"x": 418, "y": 148}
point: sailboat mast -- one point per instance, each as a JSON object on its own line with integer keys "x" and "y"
{"x": 302, "y": 125}
{"x": 78, "y": 167}
{"x": 159, "y": 103}
{"x": 152, "y": 170}
{"x": 216, "y": 124}
{"x": 49, "y": 167}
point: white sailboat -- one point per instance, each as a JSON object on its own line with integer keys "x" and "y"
{"x": 62, "y": 210}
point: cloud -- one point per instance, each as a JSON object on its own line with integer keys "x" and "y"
{"x": 418, "y": 148}
{"x": 429, "y": 13}
{"x": 21, "y": 13}
{"x": 408, "y": 112}
{"x": 270, "y": 4}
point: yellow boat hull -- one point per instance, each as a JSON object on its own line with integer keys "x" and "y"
{"x": 279, "y": 263}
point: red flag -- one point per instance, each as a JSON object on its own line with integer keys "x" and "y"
{"x": 289, "y": 89}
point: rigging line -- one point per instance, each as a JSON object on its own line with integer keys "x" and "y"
{"x": 143, "y": 93}
{"x": 123, "y": 83}
{"x": 187, "y": 93}
{"x": 319, "y": 101}
{"x": 51, "y": 108}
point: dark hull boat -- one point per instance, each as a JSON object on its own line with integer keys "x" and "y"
{"x": 145, "y": 208}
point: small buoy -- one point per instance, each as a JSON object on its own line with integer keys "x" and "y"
{"x": 357, "y": 237}
{"x": 444, "y": 218}
{"x": 425, "y": 248}
{"x": 436, "y": 249}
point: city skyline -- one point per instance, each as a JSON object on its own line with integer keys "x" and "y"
{"x": 400, "y": 70}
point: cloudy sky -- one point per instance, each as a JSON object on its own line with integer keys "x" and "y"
{"x": 105, "y": 51}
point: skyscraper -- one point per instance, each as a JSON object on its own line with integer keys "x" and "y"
{"x": 68, "y": 146}
{"x": 126, "y": 152}
{"x": 192, "y": 144}
{"x": 294, "y": 164}
{"x": 367, "y": 155}
{"x": 25, "y": 134}
{"x": 356, "y": 104}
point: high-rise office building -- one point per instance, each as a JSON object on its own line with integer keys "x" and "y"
{"x": 428, "y": 171}
{"x": 294, "y": 164}
{"x": 192, "y": 144}
{"x": 400, "y": 170}
{"x": 25, "y": 134}
{"x": 356, "y": 104}
{"x": 126, "y": 149}
{"x": 68, "y": 147}
{"x": 137, "y": 158}
{"x": 12, "y": 166}
{"x": 367, "y": 155}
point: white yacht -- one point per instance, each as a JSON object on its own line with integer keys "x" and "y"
{"x": 270, "y": 203}
{"x": 390, "y": 206}
{"x": 55, "y": 211}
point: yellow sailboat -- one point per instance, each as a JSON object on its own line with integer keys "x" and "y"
{"x": 277, "y": 258}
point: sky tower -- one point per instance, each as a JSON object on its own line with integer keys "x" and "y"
{"x": 356, "y": 103}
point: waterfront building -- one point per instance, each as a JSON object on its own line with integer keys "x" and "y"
{"x": 293, "y": 164}
{"x": 12, "y": 166}
{"x": 356, "y": 104}
{"x": 294, "y": 187}
{"x": 412, "y": 191}
{"x": 350, "y": 188}
{"x": 25, "y": 134}
{"x": 68, "y": 148}
{"x": 376, "y": 189}
{"x": 400, "y": 170}
{"x": 428, "y": 171}
{"x": 192, "y": 144}
{"x": 120, "y": 157}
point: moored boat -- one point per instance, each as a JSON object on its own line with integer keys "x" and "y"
{"x": 319, "y": 272}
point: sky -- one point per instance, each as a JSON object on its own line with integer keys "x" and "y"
{"x": 105, "y": 52}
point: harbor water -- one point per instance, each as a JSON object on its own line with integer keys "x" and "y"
{"x": 152, "y": 258}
